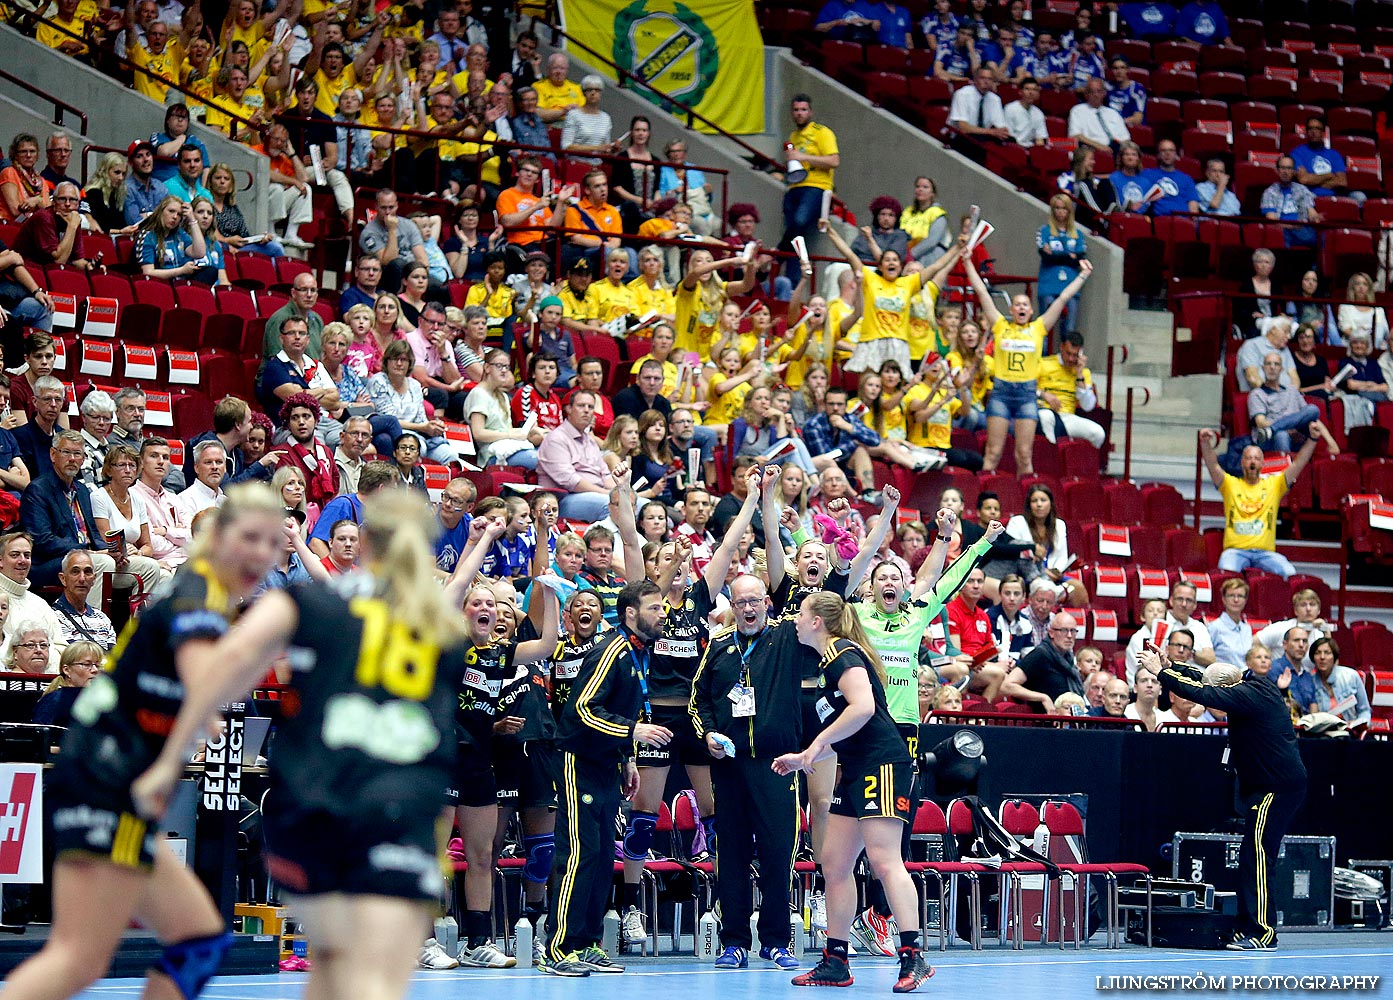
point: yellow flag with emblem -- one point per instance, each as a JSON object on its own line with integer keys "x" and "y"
{"x": 708, "y": 54}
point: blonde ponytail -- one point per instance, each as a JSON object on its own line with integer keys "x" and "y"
{"x": 839, "y": 618}
{"x": 398, "y": 528}
{"x": 243, "y": 499}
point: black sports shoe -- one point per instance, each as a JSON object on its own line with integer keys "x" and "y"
{"x": 570, "y": 967}
{"x": 831, "y": 971}
{"x": 914, "y": 971}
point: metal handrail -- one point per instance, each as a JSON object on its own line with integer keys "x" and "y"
{"x": 59, "y": 105}
{"x": 625, "y": 77}
{"x": 122, "y": 61}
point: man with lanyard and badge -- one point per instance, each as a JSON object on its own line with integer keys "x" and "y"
{"x": 896, "y": 629}
{"x": 668, "y": 688}
{"x": 746, "y": 705}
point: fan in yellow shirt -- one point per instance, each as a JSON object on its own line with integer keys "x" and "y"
{"x": 924, "y": 335}
{"x": 156, "y": 60}
{"x": 1251, "y": 503}
{"x": 331, "y": 71}
{"x": 648, "y": 292}
{"x": 556, "y": 94}
{"x": 699, "y": 299}
{"x": 816, "y": 337}
{"x": 496, "y": 296}
{"x": 885, "y": 295}
{"x": 73, "y": 18}
{"x": 1020, "y": 340}
{"x": 663, "y": 339}
{"x": 728, "y": 386}
{"x": 613, "y": 298}
{"x": 930, "y": 406}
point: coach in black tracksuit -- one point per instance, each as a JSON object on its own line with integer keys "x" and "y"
{"x": 1271, "y": 783}
{"x": 596, "y": 735}
{"x": 748, "y": 689}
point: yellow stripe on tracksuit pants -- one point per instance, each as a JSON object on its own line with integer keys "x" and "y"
{"x": 589, "y": 801}
{"x": 1269, "y": 814}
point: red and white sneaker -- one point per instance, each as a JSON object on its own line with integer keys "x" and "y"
{"x": 879, "y": 934}
{"x": 914, "y": 971}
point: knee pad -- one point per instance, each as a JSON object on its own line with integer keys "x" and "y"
{"x": 193, "y": 962}
{"x": 708, "y": 827}
{"x": 540, "y": 849}
{"x": 638, "y": 836}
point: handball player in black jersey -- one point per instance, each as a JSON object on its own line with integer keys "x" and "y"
{"x": 475, "y": 789}
{"x": 583, "y": 619}
{"x": 526, "y": 764}
{"x": 109, "y": 866}
{"x": 668, "y": 687}
{"x": 870, "y": 803}
{"x": 364, "y": 752}
{"x": 816, "y": 567}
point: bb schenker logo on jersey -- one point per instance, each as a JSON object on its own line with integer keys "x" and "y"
{"x": 668, "y": 46}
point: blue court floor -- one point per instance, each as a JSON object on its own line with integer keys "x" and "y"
{"x": 1028, "y": 975}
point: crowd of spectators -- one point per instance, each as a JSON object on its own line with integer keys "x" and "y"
{"x": 897, "y": 356}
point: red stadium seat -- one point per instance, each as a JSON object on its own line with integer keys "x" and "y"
{"x": 1122, "y": 503}
{"x": 1162, "y": 505}
{"x": 1335, "y": 478}
{"x": 1185, "y": 549}
{"x": 155, "y": 292}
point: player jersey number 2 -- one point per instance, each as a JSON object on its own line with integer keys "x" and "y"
{"x": 390, "y": 656}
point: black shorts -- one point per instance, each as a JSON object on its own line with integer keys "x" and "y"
{"x": 873, "y": 791}
{"x": 310, "y": 853}
{"x": 684, "y": 747}
{"x": 115, "y": 835}
{"x": 910, "y": 735}
{"x": 526, "y": 773}
{"x": 474, "y": 783}
{"x": 812, "y": 725}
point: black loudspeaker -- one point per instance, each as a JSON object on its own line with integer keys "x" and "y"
{"x": 1183, "y": 927}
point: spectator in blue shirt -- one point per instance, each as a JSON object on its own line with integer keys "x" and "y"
{"x": 956, "y": 63}
{"x": 1329, "y": 684}
{"x": 998, "y": 52}
{"x": 1202, "y": 21}
{"x": 895, "y": 25}
{"x": 169, "y": 244}
{"x": 1151, "y": 19}
{"x": 1318, "y": 166}
{"x": 1177, "y": 189}
{"x": 1288, "y": 200}
{"x": 1129, "y": 180}
{"x": 528, "y": 127}
{"x": 1088, "y": 62}
{"x": 1215, "y": 198}
{"x": 941, "y": 26}
{"x": 187, "y": 184}
{"x": 847, "y": 21}
{"x": 143, "y": 190}
{"x": 1033, "y": 61}
{"x": 1061, "y": 245}
{"x": 172, "y": 138}
{"x": 1083, "y": 25}
{"x": 832, "y": 430}
{"x": 1125, "y": 95}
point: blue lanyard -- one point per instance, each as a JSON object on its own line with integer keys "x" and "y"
{"x": 745, "y": 655}
{"x": 641, "y": 659}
